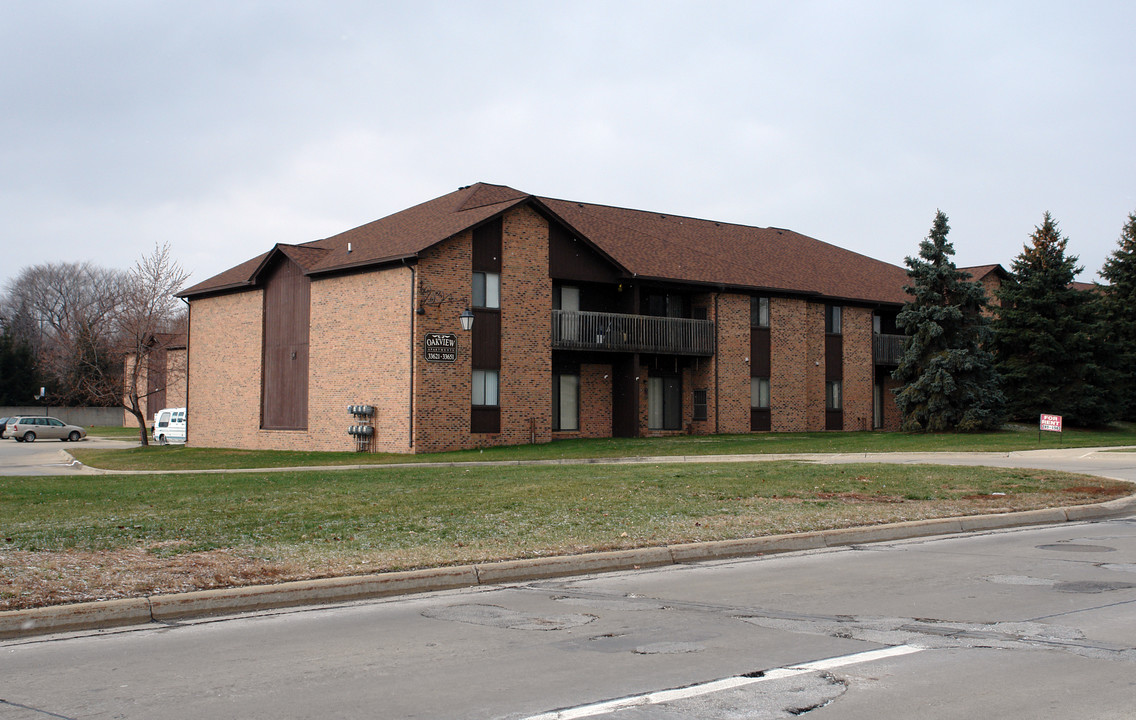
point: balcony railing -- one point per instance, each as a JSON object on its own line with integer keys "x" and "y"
{"x": 614, "y": 332}
{"x": 888, "y": 349}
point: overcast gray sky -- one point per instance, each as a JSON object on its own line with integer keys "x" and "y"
{"x": 225, "y": 127}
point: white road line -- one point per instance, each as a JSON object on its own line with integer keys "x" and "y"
{"x": 729, "y": 683}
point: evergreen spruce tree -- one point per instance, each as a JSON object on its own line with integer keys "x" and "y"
{"x": 1048, "y": 337}
{"x": 948, "y": 376}
{"x": 1118, "y": 301}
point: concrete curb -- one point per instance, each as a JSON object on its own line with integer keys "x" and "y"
{"x": 230, "y": 601}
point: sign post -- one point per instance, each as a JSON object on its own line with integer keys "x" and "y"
{"x": 1049, "y": 423}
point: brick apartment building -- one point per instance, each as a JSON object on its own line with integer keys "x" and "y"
{"x": 162, "y": 381}
{"x": 588, "y": 321}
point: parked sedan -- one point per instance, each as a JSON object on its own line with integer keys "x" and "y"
{"x": 28, "y": 429}
{"x": 3, "y": 426}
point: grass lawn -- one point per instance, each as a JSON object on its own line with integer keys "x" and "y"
{"x": 189, "y": 458}
{"x": 67, "y": 539}
{"x": 113, "y": 431}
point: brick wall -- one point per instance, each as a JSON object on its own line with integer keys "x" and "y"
{"x": 814, "y": 366}
{"x": 789, "y": 398}
{"x": 128, "y": 419}
{"x": 733, "y": 327}
{"x": 526, "y": 312}
{"x": 595, "y": 403}
{"x": 224, "y": 370}
{"x": 442, "y": 392}
{"x": 176, "y": 360}
{"x": 175, "y": 386}
{"x": 858, "y": 375}
{"x": 360, "y": 350}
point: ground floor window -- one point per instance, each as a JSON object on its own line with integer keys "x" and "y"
{"x": 664, "y": 403}
{"x": 877, "y": 406}
{"x": 833, "y": 395}
{"x": 566, "y": 401}
{"x": 700, "y": 405}
{"x": 485, "y": 388}
{"x": 759, "y": 393}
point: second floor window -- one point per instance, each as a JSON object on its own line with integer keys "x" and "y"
{"x": 486, "y": 290}
{"x": 759, "y": 312}
{"x": 833, "y": 319}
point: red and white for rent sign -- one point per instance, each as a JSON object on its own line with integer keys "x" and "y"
{"x": 1051, "y": 423}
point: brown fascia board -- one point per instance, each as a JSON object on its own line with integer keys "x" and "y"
{"x": 219, "y": 290}
{"x": 770, "y": 291}
{"x": 346, "y": 269}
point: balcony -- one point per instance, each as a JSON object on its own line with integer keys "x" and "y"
{"x": 613, "y": 332}
{"x": 887, "y": 349}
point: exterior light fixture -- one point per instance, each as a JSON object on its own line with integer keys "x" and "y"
{"x": 466, "y": 319}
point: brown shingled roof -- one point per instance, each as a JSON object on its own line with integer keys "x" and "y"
{"x": 977, "y": 272}
{"x": 645, "y": 244}
{"x": 685, "y": 249}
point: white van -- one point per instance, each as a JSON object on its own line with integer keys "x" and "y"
{"x": 169, "y": 426}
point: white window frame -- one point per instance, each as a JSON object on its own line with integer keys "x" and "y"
{"x": 759, "y": 393}
{"x": 486, "y": 290}
{"x": 486, "y": 388}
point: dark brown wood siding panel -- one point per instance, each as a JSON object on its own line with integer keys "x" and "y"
{"x": 760, "y": 420}
{"x": 572, "y": 259}
{"x": 486, "y": 339}
{"x": 287, "y": 304}
{"x": 156, "y": 381}
{"x": 485, "y": 420}
{"x": 759, "y": 351}
{"x": 833, "y": 357}
{"x": 487, "y": 247}
{"x": 833, "y": 419}
{"x": 625, "y": 396}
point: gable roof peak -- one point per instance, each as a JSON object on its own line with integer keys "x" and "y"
{"x": 484, "y": 194}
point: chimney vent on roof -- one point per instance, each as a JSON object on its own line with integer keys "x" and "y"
{"x": 348, "y": 247}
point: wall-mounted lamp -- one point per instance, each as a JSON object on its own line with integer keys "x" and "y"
{"x": 466, "y": 319}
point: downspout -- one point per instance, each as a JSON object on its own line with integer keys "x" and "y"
{"x": 188, "y": 335}
{"x": 413, "y": 330}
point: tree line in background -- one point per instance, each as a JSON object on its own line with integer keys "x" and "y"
{"x": 1045, "y": 345}
{"x": 67, "y": 327}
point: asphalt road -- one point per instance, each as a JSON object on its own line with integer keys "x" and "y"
{"x": 49, "y": 457}
{"x": 1036, "y": 623}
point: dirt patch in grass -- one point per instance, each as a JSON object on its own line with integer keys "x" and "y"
{"x": 855, "y": 497}
{"x": 33, "y": 579}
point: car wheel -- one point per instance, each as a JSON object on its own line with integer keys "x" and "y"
{"x": 29, "y": 436}
{"x": 162, "y": 440}
{"x": 74, "y": 436}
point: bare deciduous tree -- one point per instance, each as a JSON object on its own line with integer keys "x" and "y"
{"x": 68, "y": 313}
{"x": 148, "y": 311}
